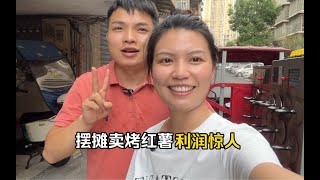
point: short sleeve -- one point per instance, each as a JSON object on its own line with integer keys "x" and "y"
{"x": 72, "y": 105}
{"x": 254, "y": 150}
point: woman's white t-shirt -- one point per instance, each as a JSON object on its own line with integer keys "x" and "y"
{"x": 230, "y": 163}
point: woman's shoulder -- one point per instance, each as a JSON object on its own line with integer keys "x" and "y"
{"x": 156, "y": 128}
{"x": 220, "y": 124}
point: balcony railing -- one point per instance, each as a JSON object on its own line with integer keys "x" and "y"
{"x": 280, "y": 31}
{"x": 281, "y": 2}
{"x": 284, "y": 14}
{"x": 295, "y": 7}
{"x": 296, "y": 24}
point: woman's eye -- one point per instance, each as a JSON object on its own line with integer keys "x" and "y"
{"x": 166, "y": 60}
{"x": 195, "y": 59}
{"x": 143, "y": 29}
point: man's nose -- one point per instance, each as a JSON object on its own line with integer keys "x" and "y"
{"x": 129, "y": 36}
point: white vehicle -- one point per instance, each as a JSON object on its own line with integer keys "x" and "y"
{"x": 247, "y": 74}
{"x": 247, "y": 68}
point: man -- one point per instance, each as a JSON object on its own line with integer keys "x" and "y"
{"x": 116, "y": 98}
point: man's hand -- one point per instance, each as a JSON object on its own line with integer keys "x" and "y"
{"x": 96, "y": 107}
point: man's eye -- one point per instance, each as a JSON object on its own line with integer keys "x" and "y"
{"x": 117, "y": 28}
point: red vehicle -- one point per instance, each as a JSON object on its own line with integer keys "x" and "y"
{"x": 272, "y": 101}
{"x": 239, "y": 106}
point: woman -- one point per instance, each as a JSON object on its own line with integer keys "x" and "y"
{"x": 182, "y": 61}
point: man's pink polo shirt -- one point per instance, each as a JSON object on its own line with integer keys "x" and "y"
{"x": 133, "y": 113}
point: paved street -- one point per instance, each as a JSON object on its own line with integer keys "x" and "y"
{"x": 228, "y": 78}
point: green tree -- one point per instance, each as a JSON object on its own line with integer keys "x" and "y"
{"x": 231, "y": 43}
{"x": 253, "y": 20}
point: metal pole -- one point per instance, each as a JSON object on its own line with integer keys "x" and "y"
{"x": 281, "y": 55}
{"x": 223, "y": 64}
{"x": 302, "y": 157}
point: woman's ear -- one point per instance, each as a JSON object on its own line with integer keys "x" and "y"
{"x": 214, "y": 71}
{"x": 213, "y": 74}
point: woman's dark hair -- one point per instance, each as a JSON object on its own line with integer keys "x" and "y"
{"x": 180, "y": 21}
{"x": 146, "y": 6}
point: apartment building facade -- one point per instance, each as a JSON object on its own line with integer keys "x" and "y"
{"x": 195, "y": 7}
{"x": 182, "y": 4}
{"x": 289, "y": 26}
{"x": 205, "y": 12}
{"x": 215, "y": 15}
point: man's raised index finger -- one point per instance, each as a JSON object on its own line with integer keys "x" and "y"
{"x": 106, "y": 82}
{"x": 95, "y": 80}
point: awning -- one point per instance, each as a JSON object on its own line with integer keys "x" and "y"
{"x": 263, "y": 54}
{"x": 37, "y": 50}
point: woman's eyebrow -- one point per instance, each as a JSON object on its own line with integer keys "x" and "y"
{"x": 164, "y": 53}
{"x": 197, "y": 52}
{"x": 172, "y": 54}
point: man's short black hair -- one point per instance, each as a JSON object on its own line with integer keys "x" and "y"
{"x": 145, "y": 6}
